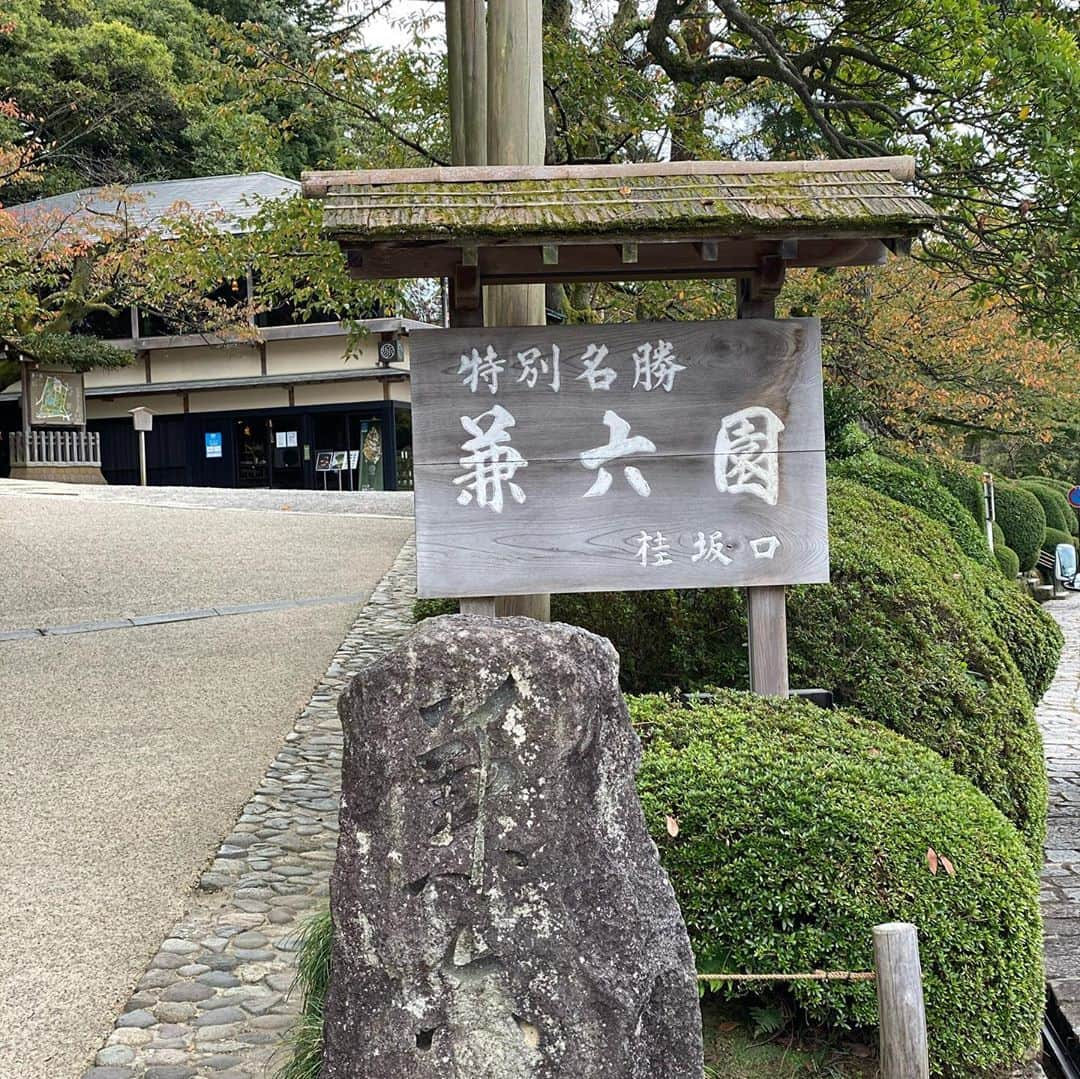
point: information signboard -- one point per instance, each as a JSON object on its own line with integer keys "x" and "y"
{"x": 57, "y": 399}
{"x": 213, "y": 443}
{"x": 593, "y": 458}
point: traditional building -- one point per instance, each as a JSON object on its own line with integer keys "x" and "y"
{"x": 282, "y": 409}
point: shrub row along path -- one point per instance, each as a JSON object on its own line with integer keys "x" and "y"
{"x": 214, "y": 1002}
{"x": 126, "y": 754}
{"x": 1059, "y": 719}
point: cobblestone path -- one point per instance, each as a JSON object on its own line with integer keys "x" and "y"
{"x": 214, "y": 1002}
{"x": 1059, "y": 718}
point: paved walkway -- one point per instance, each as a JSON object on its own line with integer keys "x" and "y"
{"x": 214, "y": 1001}
{"x": 112, "y": 793}
{"x": 1059, "y": 718}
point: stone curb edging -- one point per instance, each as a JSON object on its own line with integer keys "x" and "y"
{"x": 214, "y": 1002}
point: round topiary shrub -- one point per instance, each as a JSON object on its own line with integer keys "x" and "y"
{"x": 1032, "y": 636}
{"x": 964, "y": 482}
{"x": 1055, "y": 505}
{"x": 909, "y": 634}
{"x": 1007, "y": 560}
{"x": 922, "y": 491}
{"x": 1021, "y": 517}
{"x": 799, "y": 830}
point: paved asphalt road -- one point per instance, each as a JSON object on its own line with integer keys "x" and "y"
{"x": 126, "y": 754}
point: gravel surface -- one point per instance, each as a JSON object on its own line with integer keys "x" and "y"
{"x": 215, "y": 1000}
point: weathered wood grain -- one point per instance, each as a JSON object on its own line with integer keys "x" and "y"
{"x": 556, "y": 537}
{"x": 903, "y": 1048}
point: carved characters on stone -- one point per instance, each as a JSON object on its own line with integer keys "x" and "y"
{"x": 499, "y": 909}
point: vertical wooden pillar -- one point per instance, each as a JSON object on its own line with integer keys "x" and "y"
{"x": 766, "y": 606}
{"x": 516, "y": 136}
{"x": 466, "y": 43}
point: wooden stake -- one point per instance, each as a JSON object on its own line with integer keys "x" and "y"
{"x": 903, "y": 1045}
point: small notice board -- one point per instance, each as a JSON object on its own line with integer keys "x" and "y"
{"x": 594, "y": 458}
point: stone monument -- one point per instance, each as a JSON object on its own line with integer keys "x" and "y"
{"x": 499, "y": 908}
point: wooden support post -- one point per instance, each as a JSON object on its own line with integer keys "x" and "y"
{"x": 766, "y": 607}
{"x": 466, "y": 43}
{"x": 903, "y": 1046}
{"x": 142, "y": 458}
{"x": 515, "y": 136}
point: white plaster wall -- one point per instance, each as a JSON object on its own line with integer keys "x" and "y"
{"x": 160, "y": 403}
{"x": 203, "y": 362}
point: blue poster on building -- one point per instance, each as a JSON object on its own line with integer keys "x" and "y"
{"x": 213, "y": 443}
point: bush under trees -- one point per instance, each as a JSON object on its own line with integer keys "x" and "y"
{"x": 1055, "y": 505}
{"x": 1021, "y": 517}
{"x": 921, "y": 490}
{"x": 910, "y": 633}
{"x": 801, "y": 829}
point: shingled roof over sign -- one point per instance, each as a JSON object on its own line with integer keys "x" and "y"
{"x": 864, "y": 197}
{"x": 589, "y": 222}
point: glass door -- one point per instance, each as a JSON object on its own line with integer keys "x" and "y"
{"x": 252, "y": 458}
{"x": 285, "y": 449}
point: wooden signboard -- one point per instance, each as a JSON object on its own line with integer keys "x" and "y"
{"x": 596, "y": 458}
{"x": 57, "y": 399}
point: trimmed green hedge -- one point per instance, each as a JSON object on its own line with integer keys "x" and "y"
{"x": 964, "y": 482}
{"x": 1021, "y": 517}
{"x": 910, "y": 632}
{"x": 800, "y": 829}
{"x": 922, "y": 491}
{"x": 1055, "y": 505}
{"x": 1007, "y": 560}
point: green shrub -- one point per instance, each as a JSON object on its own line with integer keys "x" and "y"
{"x": 1021, "y": 517}
{"x": 800, "y": 829}
{"x": 1055, "y": 505}
{"x": 920, "y": 490}
{"x": 1007, "y": 560}
{"x": 910, "y": 632}
{"x": 964, "y": 482}
{"x": 1032, "y": 636}
{"x": 666, "y": 640}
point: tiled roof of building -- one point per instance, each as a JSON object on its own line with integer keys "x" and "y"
{"x": 231, "y": 199}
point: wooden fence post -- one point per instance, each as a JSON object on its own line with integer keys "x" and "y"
{"x": 902, "y": 1023}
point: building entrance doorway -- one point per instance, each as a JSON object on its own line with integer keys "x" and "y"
{"x": 252, "y": 457}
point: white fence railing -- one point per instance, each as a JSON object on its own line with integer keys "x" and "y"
{"x": 57, "y": 449}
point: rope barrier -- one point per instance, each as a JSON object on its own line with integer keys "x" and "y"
{"x": 815, "y": 976}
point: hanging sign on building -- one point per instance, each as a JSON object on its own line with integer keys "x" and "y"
{"x": 57, "y": 399}
{"x": 596, "y": 458}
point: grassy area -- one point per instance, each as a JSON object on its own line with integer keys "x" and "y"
{"x": 743, "y": 1043}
